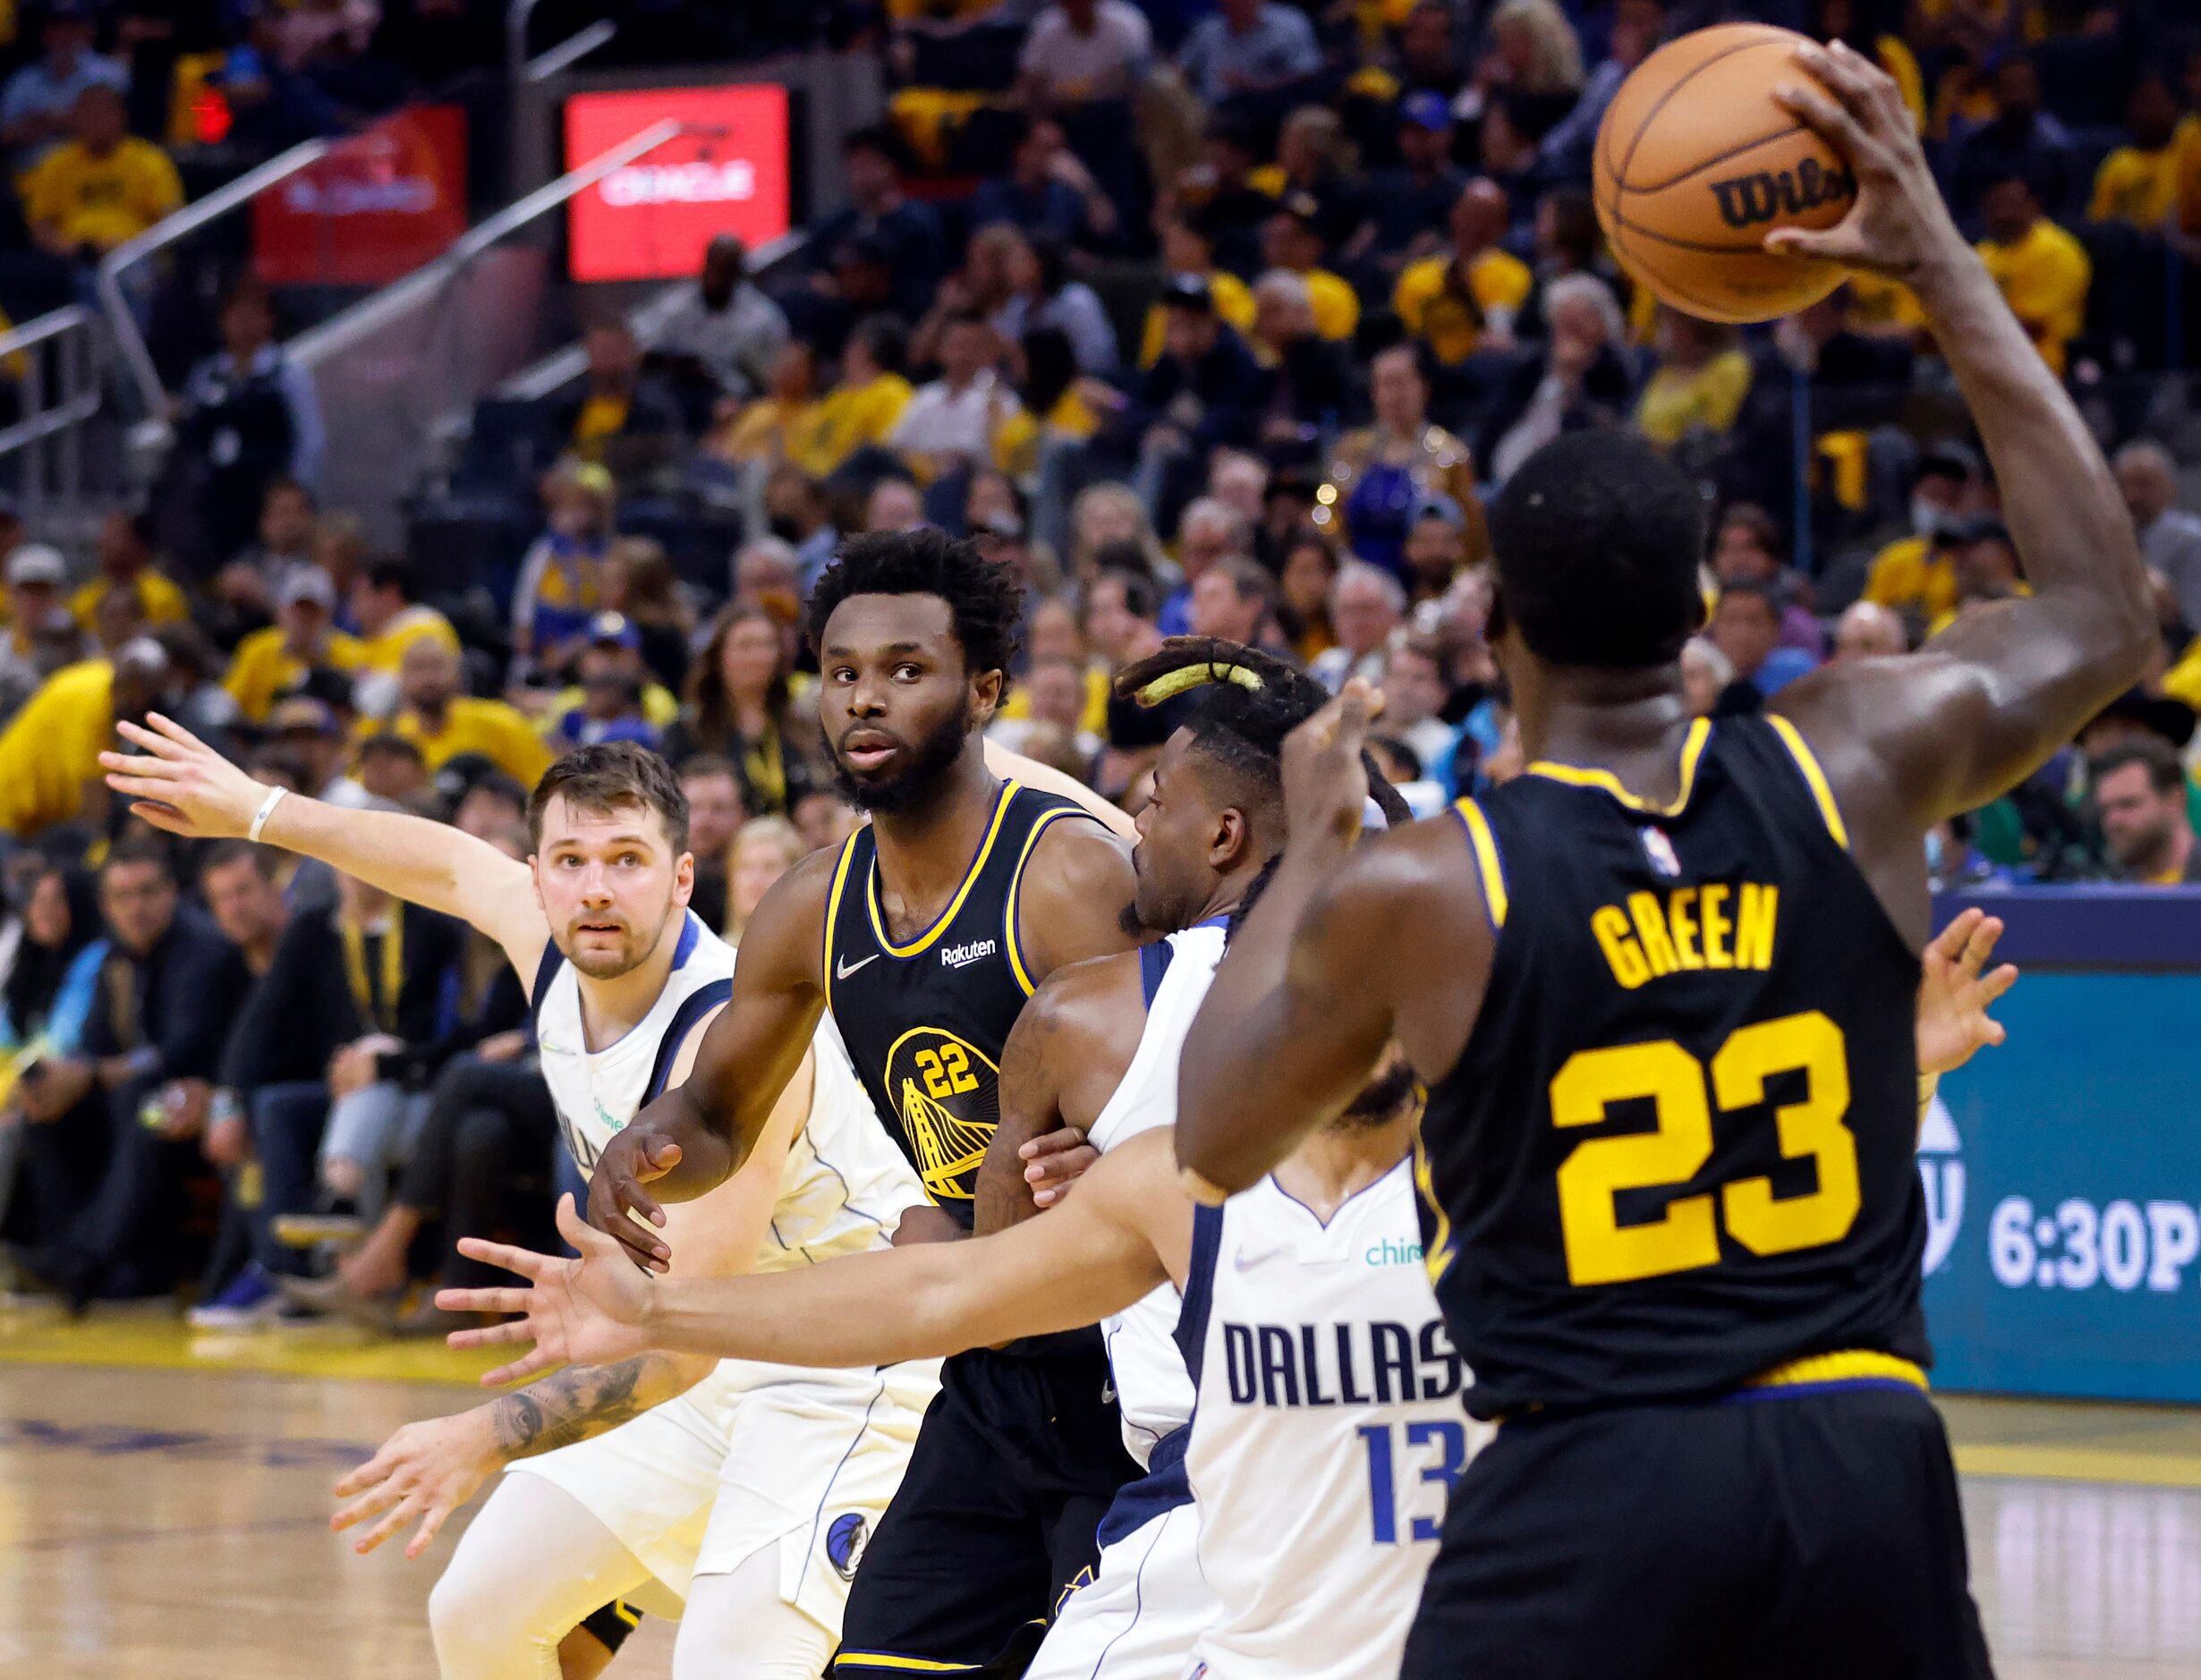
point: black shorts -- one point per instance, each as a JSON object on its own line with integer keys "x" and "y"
{"x": 996, "y": 1519}
{"x": 1782, "y": 1534}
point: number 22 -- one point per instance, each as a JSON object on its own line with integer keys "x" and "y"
{"x": 947, "y": 1071}
{"x": 1601, "y": 1249}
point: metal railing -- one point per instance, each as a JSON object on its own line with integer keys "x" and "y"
{"x": 392, "y": 369}
{"x": 523, "y": 71}
{"x": 129, "y": 338}
{"x": 49, "y": 436}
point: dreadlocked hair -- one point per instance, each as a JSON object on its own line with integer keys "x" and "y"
{"x": 1257, "y": 700}
{"x": 983, "y": 598}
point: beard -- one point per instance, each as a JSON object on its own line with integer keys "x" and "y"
{"x": 631, "y": 951}
{"x": 1382, "y": 1100}
{"x": 921, "y": 774}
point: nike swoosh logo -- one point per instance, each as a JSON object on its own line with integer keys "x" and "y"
{"x": 842, "y": 971}
{"x": 1244, "y": 1264}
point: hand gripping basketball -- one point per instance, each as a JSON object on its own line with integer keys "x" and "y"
{"x": 1899, "y": 224}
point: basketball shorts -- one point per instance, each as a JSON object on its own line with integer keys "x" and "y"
{"x": 997, "y": 1518}
{"x": 755, "y": 1455}
{"x": 1147, "y": 1602}
{"x": 1805, "y": 1533}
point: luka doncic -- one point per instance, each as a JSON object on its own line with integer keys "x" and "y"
{"x": 924, "y": 934}
{"x": 1660, "y": 989}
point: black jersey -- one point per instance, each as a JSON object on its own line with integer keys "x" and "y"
{"x": 924, "y": 1022}
{"x": 1676, "y": 1153}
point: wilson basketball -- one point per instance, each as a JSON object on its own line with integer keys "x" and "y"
{"x": 1696, "y": 163}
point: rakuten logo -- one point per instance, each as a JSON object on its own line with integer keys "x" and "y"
{"x": 699, "y": 182}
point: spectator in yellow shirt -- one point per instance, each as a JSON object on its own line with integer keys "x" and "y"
{"x": 859, "y": 411}
{"x": 49, "y": 755}
{"x": 1292, "y": 239}
{"x": 303, "y": 638}
{"x": 2042, "y": 271}
{"x": 126, "y": 562}
{"x": 1188, "y": 253}
{"x": 768, "y": 429}
{"x": 2138, "y": 183}
{"x": 441, "y": 722}
{"x": 1450, "y": 303}
{"x": 390, "y": 621}
{"x": 1916, "y": 575}
{"x": 104, "y": 186}
{"x": 1699, "y": 384}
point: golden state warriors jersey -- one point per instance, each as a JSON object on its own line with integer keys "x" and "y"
{"x": 924, "y": 1022}
{"x": 1676, "y": 1154}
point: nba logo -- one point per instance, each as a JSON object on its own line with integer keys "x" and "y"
{"x": 1659, "y": 850}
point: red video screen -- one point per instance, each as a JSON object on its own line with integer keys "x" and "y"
{"x": 651, "y": 219}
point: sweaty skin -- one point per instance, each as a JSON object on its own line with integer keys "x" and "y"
{"x": 1352, "y": 945}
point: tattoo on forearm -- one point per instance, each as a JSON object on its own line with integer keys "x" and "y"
{"x": 576, "y": 1404}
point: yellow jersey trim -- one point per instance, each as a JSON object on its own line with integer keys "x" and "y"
{"x": 1016, "y": 881}
{"x": 833, "y": 912}
{"x": 1693, "y": 746}
{"x": 1814, "y": 778}
{"x": 941, "y": 924}
{"x": 901, "y": 1664}
{"x": 1483, "y": 843}
{"x": 1851, "y": 1365}
{"x": 1439, "y": 1256}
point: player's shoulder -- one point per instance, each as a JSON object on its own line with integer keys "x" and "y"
{"x": 788, "y": 923}
{"x": 1091, "y": 999}
{"x": 1074, "y": 854}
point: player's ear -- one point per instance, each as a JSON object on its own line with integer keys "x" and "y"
{"x": 683, "y": 878}
{"x": 987, "y": 688}
{"x": 1227, "y": 847}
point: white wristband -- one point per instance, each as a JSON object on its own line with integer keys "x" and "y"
{"x": 266, "y": 810}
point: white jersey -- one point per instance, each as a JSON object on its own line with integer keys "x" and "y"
{"x": 1328, "y": 1434}
{"x": 1151, "y": 1385}
{"x": 844, "y": 1185}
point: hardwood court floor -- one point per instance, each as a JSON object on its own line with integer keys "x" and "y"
{"x": 163, "y": 1505}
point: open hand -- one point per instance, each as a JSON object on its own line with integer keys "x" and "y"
{"x": 427, "y": 1470}
{"x": 178, "y": 783}
{"x": 1899, "y": 224}
{"x": 585, "y": 1311}
{"x": 1954, "y": 995}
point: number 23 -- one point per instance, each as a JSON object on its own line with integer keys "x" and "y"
{"x": 1601, "y": 1249}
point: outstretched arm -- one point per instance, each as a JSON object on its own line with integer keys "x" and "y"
{"x": 180, "y": 783}
{"x": 1909, "y": 742}
{"x": 691, "y": 1138}
{"x": 1125, "y": 1232}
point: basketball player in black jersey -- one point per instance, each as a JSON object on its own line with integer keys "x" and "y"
{"x": 924, "y": 935}
{"x": 1660, "y": 989}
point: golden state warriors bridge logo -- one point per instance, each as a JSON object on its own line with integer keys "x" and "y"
{"x": 947, "y": 1096}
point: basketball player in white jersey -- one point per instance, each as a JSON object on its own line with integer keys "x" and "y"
{"x": 745, "y": 1490}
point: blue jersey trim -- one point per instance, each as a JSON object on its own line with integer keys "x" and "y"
{"x": 1162, "y": 1488}
{"x": 1192, "y": 1319}
{"x": 693, "y": 1007}
{"x": 546, "y": 970}
{"x": 1153, "y": 963}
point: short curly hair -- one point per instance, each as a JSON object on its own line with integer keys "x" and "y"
{"x": 984, "y": 596}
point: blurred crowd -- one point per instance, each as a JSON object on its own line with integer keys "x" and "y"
{"x": 1208, "y": 316}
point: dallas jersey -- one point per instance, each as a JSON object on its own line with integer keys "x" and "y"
{"x": 1675, "y": 1155}
{"x": 1328, "y": 1432}
{"x": 757, "y": 1456}
{"x": 844, "y": 1188}
{"x": 1151, "y": 1385}
{"x": 925, "y": 1022}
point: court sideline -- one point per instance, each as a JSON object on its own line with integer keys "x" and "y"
{"x": 163, "y": 1505}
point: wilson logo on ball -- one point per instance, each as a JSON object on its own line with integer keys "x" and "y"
{"x": 1746, "y": 200}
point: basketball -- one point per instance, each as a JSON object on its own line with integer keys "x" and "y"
{"x": 1697, "y": 162}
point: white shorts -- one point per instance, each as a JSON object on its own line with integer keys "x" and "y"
{"x": 754, "y": 1456}
{"x": 1139, "y": 1615}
